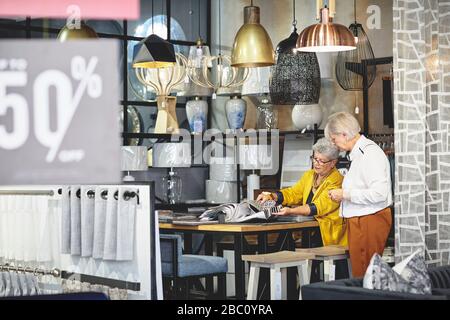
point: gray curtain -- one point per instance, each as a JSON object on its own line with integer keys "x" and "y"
{"x": 422, "y": 133}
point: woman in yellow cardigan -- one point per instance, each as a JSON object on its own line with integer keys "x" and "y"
{"x": 310, "y": 193}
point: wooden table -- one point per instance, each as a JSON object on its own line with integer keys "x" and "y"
{"x": 284, "y": 241}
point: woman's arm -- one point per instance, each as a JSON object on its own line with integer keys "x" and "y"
{"x": 304, "y": 210}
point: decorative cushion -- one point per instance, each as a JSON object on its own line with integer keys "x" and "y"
{"x": 409, "y": 276}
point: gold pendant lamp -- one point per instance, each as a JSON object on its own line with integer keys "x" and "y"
{"x": 83, "y": 32}
{"x": 252, "y": 45}
{"x": 326, "y": 36}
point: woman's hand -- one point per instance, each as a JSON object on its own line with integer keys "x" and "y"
{"x": 336, "y": 195}
{"x": 264, "y": 196}
{"x": 285, "y": 211}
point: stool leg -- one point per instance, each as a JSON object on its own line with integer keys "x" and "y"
{"x": 275, "y": 283}
{"x": 253, "y": 283}
{"x": 349, "y": 264}
{"x": 284, "y": 284}
{"x": 304, "y": 274}
{"x": 328, "y": 268}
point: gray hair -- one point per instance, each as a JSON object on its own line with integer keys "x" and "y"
{"x": 342, "y": 123}
{"x": 327, "y": 148}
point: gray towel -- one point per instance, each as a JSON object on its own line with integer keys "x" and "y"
{"x": 65, "y": 220}
{"x": 125, "y": 225}
{"x": 2, "y": 285}
{"x": 25, "y": 289}
{"x": 75, "y": 221}
{"x": 32, "y": 284}
{"x": 7, "y": 281}
{"x": 110, "y": 247}
{"x": 99, "y": 224}
{"x": 15, "y": 285}
{"x": 87, "y": 221}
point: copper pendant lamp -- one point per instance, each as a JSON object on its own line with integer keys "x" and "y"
{"x": 326, "y": 36}
{"x": 252, "y": 45}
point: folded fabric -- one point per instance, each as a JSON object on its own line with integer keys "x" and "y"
{"x": 75, "y": 221}
{"x": 87, "y": 221}
{"x": 7, "y": 282}
{"x": 24, "y": 288}
{"x": 125, "y": 224}
{"x": 65, "y": 220}
{"x": 32, "y": 283}
{"x": 15, "y": 285}
{"x": 110, "y": 246}
{"x": 2, "y": 285}
{"x": 239, "y": 212}
{"x": 99, "y": 224}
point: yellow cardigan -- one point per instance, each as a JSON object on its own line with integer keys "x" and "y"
{"x": 332, "y": 227}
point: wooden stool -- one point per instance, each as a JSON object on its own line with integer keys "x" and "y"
{"x": 277, "y": 262}
{"x": 329, "y": 254}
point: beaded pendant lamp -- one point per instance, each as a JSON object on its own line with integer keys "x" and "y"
{"x": 296, "y": 76}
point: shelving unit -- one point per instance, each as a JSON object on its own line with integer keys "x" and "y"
{"x": 175, "y": 138}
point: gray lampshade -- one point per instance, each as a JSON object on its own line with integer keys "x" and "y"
{"x": 134, "y": 158}
{"x": 153, "y": 52}
{"x": 296, "y": 76}
{"x": 257, "y": 82}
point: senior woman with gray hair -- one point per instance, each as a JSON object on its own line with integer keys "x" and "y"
{"x": 365, "y": 195}
{"x": 310, "y": 194}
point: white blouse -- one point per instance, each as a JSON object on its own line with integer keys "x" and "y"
{"x": 367, "y": 185}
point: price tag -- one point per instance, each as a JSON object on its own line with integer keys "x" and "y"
{"x": 59, "y": 106}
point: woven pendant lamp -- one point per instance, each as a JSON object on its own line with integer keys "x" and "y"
{"x": 348, "y": 64}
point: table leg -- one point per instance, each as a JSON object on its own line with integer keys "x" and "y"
{"x": 188, "y": 243}
{"x": 292, "y": 271}
{"x": 264, "y": 277}
{"x": 239, "y": 267}
{"x": 209, "y": 252}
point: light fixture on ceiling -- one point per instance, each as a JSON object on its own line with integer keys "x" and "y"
{"x": 252, "y": 45}
{"x": 153, "y": 51}
{"x": 296, "y": 76}
{"x": 349, "y": 69}
{"x": 222, "y": 78}
{"x": 326, "y": 36}
{"x": 83, "y": 32}
{"x": 200, "y": 51}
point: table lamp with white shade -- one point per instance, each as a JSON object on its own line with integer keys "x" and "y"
{"x": 134, "y": 158}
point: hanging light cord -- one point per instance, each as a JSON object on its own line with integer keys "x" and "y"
{"x": 354, "y": 9}
{"x": 199, "y": 18}
{"x": 220, "y": 32}
{"x": 153, "y": 19}
{"x": 294, "y": 22}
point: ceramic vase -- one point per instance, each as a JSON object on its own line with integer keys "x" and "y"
{"x": 304, "y": 116}
{"x": 197, "y": 114}
{"x": 236, "y": 110}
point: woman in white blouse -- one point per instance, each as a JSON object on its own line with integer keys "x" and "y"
{"x": 366, "y": 195}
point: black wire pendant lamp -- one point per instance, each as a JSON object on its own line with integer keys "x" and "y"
{"x": 348, "y": 65}
{"x": 296, "y": 76}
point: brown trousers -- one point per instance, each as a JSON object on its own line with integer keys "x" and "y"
{"x": 367, "y": 235}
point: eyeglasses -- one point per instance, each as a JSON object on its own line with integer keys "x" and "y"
{"x": 319, "y": 161}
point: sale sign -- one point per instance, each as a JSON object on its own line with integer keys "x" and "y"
{"x": 98, "y": 9}
{"x": 59, "y": 107}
